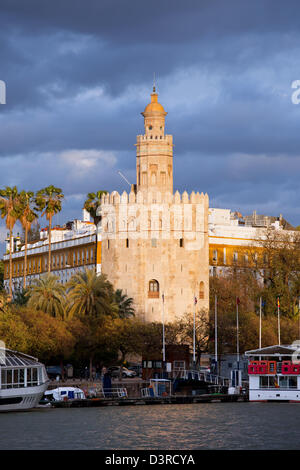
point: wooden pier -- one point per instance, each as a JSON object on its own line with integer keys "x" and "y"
{"x": 169, "y": 400}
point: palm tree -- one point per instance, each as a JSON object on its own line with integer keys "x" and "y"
{"x": 91, "y": 298}
{"x": 47, "y": 295}
{"x": 48, "y": 201}
{"x": 27, "y": 217}
{"x": 90, "y": 295}
{"x": 92, "y": 204}
{"x": 10, "y": 209}
{"x": 124, "y": 303}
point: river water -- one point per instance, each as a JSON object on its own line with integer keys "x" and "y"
{"x": 169, "y": 427}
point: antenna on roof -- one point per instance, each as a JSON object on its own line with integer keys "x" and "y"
{"x": 124, "y": 178}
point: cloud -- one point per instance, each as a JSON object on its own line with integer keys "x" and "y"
{"x": 69, "y": 169}
{"x": 79, "y": 75}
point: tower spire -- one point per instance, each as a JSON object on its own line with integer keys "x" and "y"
{"x": 154, "y": 163}
{"x": 154, "y": 87}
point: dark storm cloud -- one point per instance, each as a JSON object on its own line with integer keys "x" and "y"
{"x": 78, "y": 75}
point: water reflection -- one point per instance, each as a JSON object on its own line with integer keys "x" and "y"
{"x": 171, "y": 427}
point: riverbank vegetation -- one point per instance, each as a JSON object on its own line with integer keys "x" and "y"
{"x": 86, "y": 322}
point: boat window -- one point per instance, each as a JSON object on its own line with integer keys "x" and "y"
{"x": 263, "y": 382}
{"x": 283, "y": 382}
{"x": 3, "y": 378}
{"x": 40, "y": 375}
{"x": 292, "y": 382}
{"x": 274, "y": 382}
{"x": 18, "y": 378}
{"x": 12, "y": 378}
{"x": 21, "y": 377}
{"x": 9, "y": 378}
{"x": 32, "y": 379}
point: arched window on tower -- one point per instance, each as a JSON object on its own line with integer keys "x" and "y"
{"x": 153, "y": 292}
{"x": 201, "y": 290}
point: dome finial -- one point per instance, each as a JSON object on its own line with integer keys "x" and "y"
{"x": 154, "y": 88}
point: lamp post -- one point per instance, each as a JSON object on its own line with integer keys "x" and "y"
{"x": 194, "y": 332}
{"x": 278, "y": 319}
{"x": 237, "y": 334}
{"x": 163, "y": 329}
{"x": 260, "y": 323}
{"x": 216, "y": 333}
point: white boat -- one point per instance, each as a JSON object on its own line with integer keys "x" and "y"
{"x": 23, "y": 380}
{"x": 65, "y": 393}
{"x": 274, "y": 373}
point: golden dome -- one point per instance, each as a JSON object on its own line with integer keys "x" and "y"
{"x": 154, "y": 106}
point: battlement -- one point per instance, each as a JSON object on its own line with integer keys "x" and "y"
{"x": 115, "y": 198}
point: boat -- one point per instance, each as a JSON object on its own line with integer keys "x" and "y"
{"x": 274, "y": 373}
{"x": 23, "y": 380}
{"x": 63, "y": 394}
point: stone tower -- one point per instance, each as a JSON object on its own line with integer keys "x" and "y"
{"x": 155, "y": 243}
{"x": 154, "y": 151}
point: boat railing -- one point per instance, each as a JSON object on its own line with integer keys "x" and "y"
{"x": 113, "y": 392}
{"x": 273, "y": 367}
{"x": 147, "y": 392}
{"x": 201, "y": 376}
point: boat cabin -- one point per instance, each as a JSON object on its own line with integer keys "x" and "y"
{"x": 274, "y": 373}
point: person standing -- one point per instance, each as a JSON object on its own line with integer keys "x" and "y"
{"x": 106, "y": 382}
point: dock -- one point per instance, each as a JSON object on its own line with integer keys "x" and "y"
{"x": 165, "y": 400}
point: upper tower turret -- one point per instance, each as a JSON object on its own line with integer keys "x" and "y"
{"x": 154, "y": 117}
{"x": 154, "y": 158}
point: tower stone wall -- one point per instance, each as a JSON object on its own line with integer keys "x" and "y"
{"x": 155, "y": 243}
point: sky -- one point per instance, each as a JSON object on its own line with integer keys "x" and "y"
{"x": 79, "y": 73}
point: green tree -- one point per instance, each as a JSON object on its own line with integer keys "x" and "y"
{"x": 123, "y": 337}
{"x": 90, "y": 296}
{"x": 49, "y": 201}
{"x": 10, "y": 210}
{"x": 21, "y": 297}
{"x": 185, "y": 330}
{"x": 46, "y": 294}
{"x": 91, "y": 299}
{"x": 13, "y": 331}
{"x": 281, "y": 272}
{"x": 27, "y": 217}
{"x": 92, "y": 204}
{"x": 49, "y": 338}
{"x": 124, "y": 303}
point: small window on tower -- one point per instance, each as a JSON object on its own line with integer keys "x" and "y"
{"x": 150, "y": 128}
